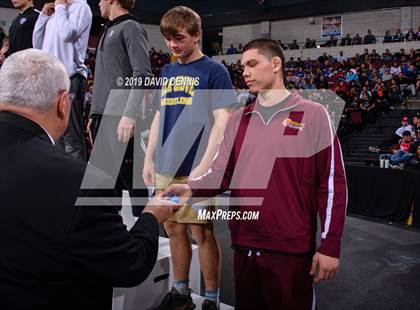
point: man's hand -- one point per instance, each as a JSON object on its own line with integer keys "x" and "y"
{"x": 328, "y": 267}
{"x": 160, "y": 208}
{"x": 48, "y": 8}
{"x": 183, "y": 191}
{"x": 125, "y": 130}
{"x": 149, "y": 175}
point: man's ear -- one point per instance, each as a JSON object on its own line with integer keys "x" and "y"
{"x": 197, "y": 37}
{"x": 62, "y": 105}
{"x": 276, "y": 62}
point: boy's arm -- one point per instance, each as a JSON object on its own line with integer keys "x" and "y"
{"x": 221, "y": 117}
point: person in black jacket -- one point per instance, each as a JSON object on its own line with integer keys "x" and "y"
{"x": 22, "y": 27}
{"x": 57, "y": 252}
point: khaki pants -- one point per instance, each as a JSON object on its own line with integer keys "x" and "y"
{"x": 185, "y": 214}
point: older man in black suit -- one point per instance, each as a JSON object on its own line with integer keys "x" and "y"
{"x": 55, "y": 254}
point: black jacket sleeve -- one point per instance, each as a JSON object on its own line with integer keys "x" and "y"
{"x": 101, "y": 247}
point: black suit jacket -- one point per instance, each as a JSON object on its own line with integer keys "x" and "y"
{"x": 53, "y": 254}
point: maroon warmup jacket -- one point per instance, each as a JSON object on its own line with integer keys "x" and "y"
{"x": 290, "y": 169}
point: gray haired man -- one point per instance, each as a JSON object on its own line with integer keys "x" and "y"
{"x": 55, "y": 254}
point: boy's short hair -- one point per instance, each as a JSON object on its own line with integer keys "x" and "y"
{"x": 406, "y": 133}
{"x": 267, "y": 47}
{"x": 179, "y": 18}
{"x": 127, "y": 4}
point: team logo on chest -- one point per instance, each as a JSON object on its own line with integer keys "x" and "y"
{"x": 111, "y": 33}
{"x": 22, "y": 20}
{"x": 293, "y": 124}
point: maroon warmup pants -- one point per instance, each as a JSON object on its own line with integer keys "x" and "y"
{"x": 273, "y": 281}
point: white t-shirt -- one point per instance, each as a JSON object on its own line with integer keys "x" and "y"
{"x": 395, "y": 70}
{"x": 400, "y": 130}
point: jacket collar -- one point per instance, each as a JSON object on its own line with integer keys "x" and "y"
{"x": 23, "y": 123}
{"x": 290, "y": 104}
{"x": 114, "y": 22}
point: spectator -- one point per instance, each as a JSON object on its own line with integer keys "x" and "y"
{"x": 294, "y": 45}
{"x": 300, "y": 83}
{"x": 341, "y": 58}
{"x": 331, "y": 42}
{"x": 388, "y": 37}
{"x": 406, "y": 83}
{"x": 405, "y": 126}
{"x": 386, "y": 75}
{"x": 382, "y": 69}
{"x": 357, "y": 40}
{"x": 402, "y": 155}
{"x": 369, "y": 38}
{"x": 400, "y": 54}
{"x": 365, "y": 56}
{"x": 322, "y": 83}
{"x": 380, "y": 99}
{"x": 395, "y": 96}
{"x": 418, "y": 34}
{"x": 374, "y": 55}
{"x": 346, "y": 41}
{"x": 398, "y": 36}
{"x": 62, "y": 29}
{"x": 311, "y": 84}
{"x": 368, "y": 108}
{"x": 21, "y": 29}
{"x": 416, "y": 124}
{"x": 231, "y": 50}
{"x": 291, "y": 63}
{"x": 284, "y": 47}
{"x": 323, "y": 58}
{"x": 386, "y": 56}
{"x": 310, "y": 43}
{"x": 299, "y": 62}
{"x": 395, "y": 69}
{"x": 365, "y": 90}
{"x": 240, "y": 47}
{"x": 410, "y": 35}
{"x": 352, "y": 75}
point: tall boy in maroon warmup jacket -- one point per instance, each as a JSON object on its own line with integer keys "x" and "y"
{"x": 283, "y": 149}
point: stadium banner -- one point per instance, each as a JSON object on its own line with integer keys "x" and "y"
{"x": 331, "y": 26}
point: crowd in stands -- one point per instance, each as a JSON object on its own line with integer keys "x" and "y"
{"x": 369, "y": 83}
{"x": 158, "y": 60}
{"x": 347, "y": 40}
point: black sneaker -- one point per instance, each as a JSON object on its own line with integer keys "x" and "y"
{"x": 209, "y": 305}
{"x": 176, "y": 301}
